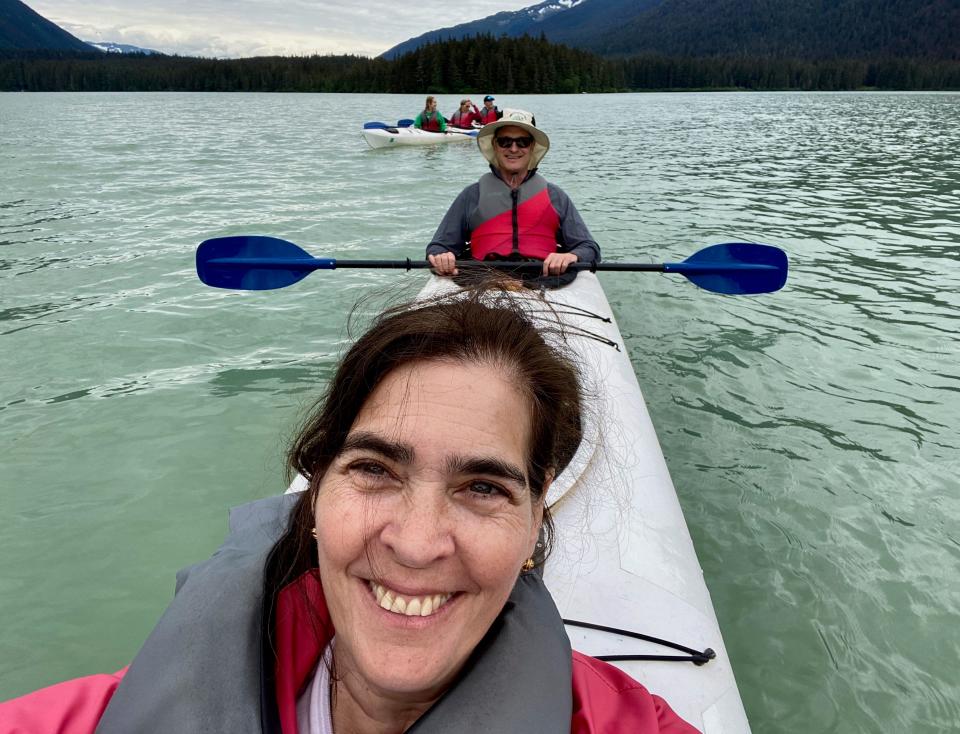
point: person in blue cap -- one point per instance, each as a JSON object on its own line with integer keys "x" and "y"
{"x": 490, "y": 112}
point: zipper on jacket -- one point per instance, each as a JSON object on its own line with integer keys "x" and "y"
{"x": 515, "y": 195}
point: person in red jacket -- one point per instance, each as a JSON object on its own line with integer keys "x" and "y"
{"x": 430, "y": 119}
{"x": 401, "y": 591}
{"x": 490, "y": 112}
{"x": 513, "y": 212}
{"x": 466, "y": 115}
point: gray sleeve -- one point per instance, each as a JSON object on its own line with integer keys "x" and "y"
{"x": 574, "y": 237}
{"x": 453, "y": 234}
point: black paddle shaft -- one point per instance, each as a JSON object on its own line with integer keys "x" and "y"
{"x": 510, "y": 265}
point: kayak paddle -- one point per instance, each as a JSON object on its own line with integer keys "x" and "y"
{"x": 256, "y": 263}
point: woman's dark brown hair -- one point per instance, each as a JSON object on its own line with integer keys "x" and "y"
{"x": 485, "y": 325}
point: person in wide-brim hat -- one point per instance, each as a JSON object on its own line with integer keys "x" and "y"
{"x": 515, "y": 118}
{"x": 513, "y": 213}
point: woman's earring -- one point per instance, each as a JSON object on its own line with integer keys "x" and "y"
{"x": 314, "y": 533}
{"x": 528, "y": 565}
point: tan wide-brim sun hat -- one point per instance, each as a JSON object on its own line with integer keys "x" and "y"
{"x": 513, "y": 118}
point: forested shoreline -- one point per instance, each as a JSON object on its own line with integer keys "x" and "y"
{"x": 507, "y": 65}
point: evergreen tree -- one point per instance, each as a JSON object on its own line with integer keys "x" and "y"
{"x": 479, "y": 65}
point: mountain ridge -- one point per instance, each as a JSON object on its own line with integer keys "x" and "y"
{"x": 23, "y": 29}
{"x": 805, "y": 29}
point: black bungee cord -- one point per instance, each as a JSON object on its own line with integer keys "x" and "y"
{"x": 697, "y": 657}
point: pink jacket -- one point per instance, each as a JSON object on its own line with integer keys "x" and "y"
{"x": 605, "y": 699}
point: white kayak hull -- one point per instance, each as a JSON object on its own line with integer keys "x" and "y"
{"x": 623, "y": 556}
{"x": 392, "y": 137}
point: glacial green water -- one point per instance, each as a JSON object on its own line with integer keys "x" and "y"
{"x": 812, "y": 434}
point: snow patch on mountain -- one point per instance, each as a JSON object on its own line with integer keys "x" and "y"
{"x": 544, "y": 10}
{"x": 120, "y": 48}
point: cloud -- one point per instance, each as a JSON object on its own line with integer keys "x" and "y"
{"x": 233, "y": 28}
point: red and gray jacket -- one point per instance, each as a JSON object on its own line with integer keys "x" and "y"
{"x": 490, "y": 115}
{"x": 531, "y": 221}
{"x": 519, "y": 222}
{"x": 465, "y": 119}
{"x": 207, "y": 666}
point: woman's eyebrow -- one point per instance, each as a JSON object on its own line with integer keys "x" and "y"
{"x": 402, "y": 453}
{"x": 486, "y": 465}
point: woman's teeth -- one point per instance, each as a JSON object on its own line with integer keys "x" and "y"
{"x": 411, "y": 606}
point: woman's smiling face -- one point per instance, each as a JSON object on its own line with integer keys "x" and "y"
{"x": 423, "y": 521}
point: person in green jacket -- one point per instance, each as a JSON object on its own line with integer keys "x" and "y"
{"x": 430, "y": 119}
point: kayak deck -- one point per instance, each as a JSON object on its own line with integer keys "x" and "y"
{"x": 623, "y": 555}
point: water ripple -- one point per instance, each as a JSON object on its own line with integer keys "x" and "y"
{"x": 811, "y": 434}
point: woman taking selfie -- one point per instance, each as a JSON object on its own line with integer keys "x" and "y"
{"x": 401, "y": 591}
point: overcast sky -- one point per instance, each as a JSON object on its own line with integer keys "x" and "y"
{"x": 229, "y": 28}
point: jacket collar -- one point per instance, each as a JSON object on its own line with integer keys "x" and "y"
{"x": 516, "y": 680}
{"x": 302, "y": 631}
{"x": 496, "y": 172}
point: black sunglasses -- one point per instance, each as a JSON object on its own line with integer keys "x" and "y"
{"x": 505, "y": 141}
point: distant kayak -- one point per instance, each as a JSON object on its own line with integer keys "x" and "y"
{"x": 380, "y": 135}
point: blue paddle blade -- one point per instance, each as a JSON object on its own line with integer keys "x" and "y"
{"x": 405, "y": 122}
{"x": 374, "y": 125}
{"x": 737, "y": 268}
{"x": 255, "y": 263}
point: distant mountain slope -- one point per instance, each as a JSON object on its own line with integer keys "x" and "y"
{"x": 554, "y": 17}
{"x": 23, "y": 29}
{"x": 799, "y": 28}
{"x": 809, "y": 29}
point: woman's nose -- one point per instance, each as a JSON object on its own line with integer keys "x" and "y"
{"x": 421, "y": 533}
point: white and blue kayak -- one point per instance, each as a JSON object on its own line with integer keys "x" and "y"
{"x": 380, "y": 135}
{"x": 623, "y": 556}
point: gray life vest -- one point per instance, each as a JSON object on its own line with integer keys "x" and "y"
{"x": 200, "y": 670}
